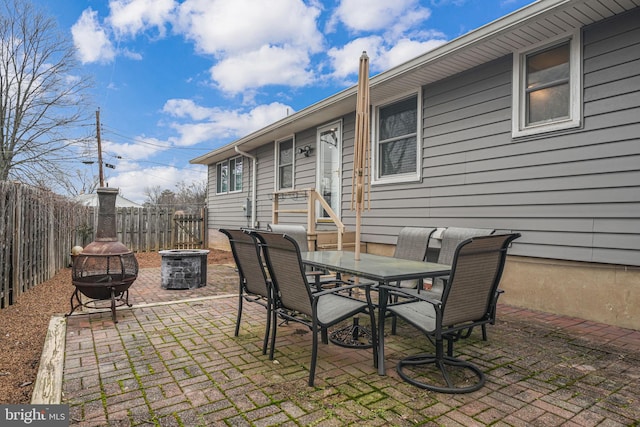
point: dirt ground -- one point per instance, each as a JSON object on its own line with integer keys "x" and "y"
{"x": 23, "y": 327}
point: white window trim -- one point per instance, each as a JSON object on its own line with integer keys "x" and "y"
{"x": 241, "y": 176}
{"x": 228, "y": 163}
{"x": 518, "y": 107}
{"x": 218, "y": 178}
{"x": 407, "y": 177}
{"x": 319, "y": 130}
{"x": 276, "y": 180}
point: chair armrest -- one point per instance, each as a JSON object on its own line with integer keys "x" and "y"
{"x": 408, "y": 294}
{"x": 318, "y": 279}
{"x": 338, "y": 289}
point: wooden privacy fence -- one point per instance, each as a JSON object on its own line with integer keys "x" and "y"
{"x": 37, "y": 230}
{"x": 151, "y": 229}
{"x": 189, "y": 231}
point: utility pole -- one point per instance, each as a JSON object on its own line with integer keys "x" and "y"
{"x": 100, "y": 172}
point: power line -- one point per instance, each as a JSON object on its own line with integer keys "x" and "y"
{"x": 142, "y": 141}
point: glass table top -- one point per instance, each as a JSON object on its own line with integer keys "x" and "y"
{"x": 374, "y": 267}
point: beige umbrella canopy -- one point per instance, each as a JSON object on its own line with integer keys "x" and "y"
{"x": 361, "y": 190}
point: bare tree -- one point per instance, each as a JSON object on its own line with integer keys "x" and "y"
{"x": 152, "y": 195}
{"x": 188, "y": 197}
{"x": 80, "y": 182}
{"x": 191, "y": 196}
{"x": 41, "y": 98}
{"x": 159, "y": 197}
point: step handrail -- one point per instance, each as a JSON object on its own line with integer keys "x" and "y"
{"x": 312, "y": 196}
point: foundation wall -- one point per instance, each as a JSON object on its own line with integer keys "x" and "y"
{"x": 602, "y": 293}
{"x": 217, "y": 240}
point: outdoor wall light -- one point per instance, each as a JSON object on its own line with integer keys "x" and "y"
{"x": 306, "y": 150}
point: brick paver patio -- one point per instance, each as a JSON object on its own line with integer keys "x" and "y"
{"x": 176, "y": 363}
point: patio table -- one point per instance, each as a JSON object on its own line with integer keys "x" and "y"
{"x": 382, "y": 269}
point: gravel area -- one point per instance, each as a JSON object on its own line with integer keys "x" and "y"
{"x": 23, "y": 327}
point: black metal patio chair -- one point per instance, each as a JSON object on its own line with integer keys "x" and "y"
{"x": 297, "y": 301}
{"x": 451, "y": 238}
{"x": 412, "y": 244}
{"x": 299, "y": 234}
{"x": 254, "y": 285}
{"x": 466, "y": 302}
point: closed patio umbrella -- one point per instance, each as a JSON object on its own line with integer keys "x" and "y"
{"x": 361, "y": 193}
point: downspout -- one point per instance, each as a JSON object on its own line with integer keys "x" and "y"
{"x": 254, "y": 179}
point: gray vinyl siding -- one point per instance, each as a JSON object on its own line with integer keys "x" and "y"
{"x": 225, "y": 210}
{"x": 573, "y": 195}
{"x": 266, "y": 183}
{"x": 306, "y": 166}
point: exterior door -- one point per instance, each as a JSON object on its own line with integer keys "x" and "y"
{"x": 329, "y": 178}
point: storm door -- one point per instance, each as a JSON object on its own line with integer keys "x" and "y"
{"x": 329, "y": 178}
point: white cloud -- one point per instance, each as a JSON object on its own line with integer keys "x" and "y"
{"x": 195, "y": 133}
{"x": 441, "y": 3}
{"x": 141, "y": 149}
{"x": 411, "y": 18}
{"x": 405, "y": 50}
{"x": 270, "y": 44}
{"x": 268, "y": 65}
{"x": 91, "y": 40}
{"x": 131, "y": 54}
{"x": 346, "y": 60}
{"x": 186, "y": 108}
{"x": 215, "y": 124}
{"x": 130, "y": 17}
{"x": 397, "y": 34}
{"x": 133, "y": 181}
{"x": 234, "y": 26}
{"x": 254, "y": 43}
{"x": 379, "y": 15}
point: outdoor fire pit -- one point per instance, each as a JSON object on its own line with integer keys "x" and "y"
{"x": 184, "y": 268}
{"x": 105, "y": 269}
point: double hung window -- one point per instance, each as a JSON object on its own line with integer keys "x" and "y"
{"x": 397, "y": 140}
{"x": 284, "y": 159}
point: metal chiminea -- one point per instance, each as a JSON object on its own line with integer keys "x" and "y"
{"x": 105, "y": 269}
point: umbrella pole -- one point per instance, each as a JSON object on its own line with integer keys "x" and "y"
{"x": 361, "y": 153}
{"x": 358, "y": 225}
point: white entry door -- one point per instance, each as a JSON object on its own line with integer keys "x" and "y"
{"x": 329, "y": 178}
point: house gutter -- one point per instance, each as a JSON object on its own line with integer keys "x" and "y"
{"x": 254, "y": 180}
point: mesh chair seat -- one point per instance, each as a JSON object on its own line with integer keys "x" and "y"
{"x": 466, "y": 302}
{"x": 333, "y": 308}
{"x": 418, "y": 313}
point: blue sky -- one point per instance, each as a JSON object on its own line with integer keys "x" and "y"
{"x": 177, "y": 79}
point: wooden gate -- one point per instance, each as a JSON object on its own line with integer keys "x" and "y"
{"x": 189, "y": 230}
